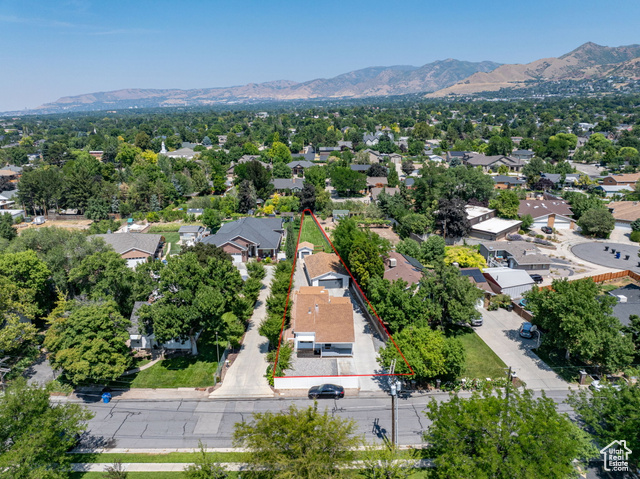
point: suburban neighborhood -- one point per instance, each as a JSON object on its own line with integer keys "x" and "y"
{"x": 427, "y": 287}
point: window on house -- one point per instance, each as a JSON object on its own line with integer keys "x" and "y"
{"x": 327, "y": 346}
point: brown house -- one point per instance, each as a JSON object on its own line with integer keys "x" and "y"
{"x": 621, "y": 180}
{"x": 321, "y": 324}
{"x": 249, "y": 237}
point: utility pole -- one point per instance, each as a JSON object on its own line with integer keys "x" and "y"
{"x": 394, "y": 415}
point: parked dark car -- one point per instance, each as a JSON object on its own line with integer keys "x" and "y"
{"x": 330, "y": 391}
{"x": 547, "y": 230}
{"x": 525, "y": 330}
{"x": 537, "y": 278}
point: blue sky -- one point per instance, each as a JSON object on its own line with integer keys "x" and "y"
{"x": 54, "y": 48}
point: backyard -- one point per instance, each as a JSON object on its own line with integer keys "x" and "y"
{"x": 311, "y": 233}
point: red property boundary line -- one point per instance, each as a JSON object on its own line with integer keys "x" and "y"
{"x": 284, "y": 316}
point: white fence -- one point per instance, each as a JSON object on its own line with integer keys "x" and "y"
{"x": 305, "y": 382}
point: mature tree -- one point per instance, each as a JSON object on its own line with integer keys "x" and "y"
{"x": 414, "y": 223}
{"x": 451, "y": 218}
{"x": 423, "y": 131}
{"x": 558, "y": 146}
{"x": 506, "y": 203}
{"x": 347, "y": 234}
{"x": 543, "y": 184}
{"x": 308, "y": 197}
{"x": 578, "y": 318}
{"x": 410, "y": 247}
{"x": 142, "y": 141}
{"x": 377, "y": 169}
{"x": 468, "y": 184}
{"x": 598, "y": 222}
{"x": 429, "y": 352}
{"x": 40, "y": 188}
{"x": 246, "y": 197}
{"x": 204, "y": 251}
{"x": 37, "y": 434}
{"x": 256, "y": 174}
{"x": 407, "y": 166}
{"x": 25, "y": 270}
{"x": 17, "y": 337}
{"x": 212, "y": 219}
{"x": 400, "y": 305}
{"x": 499, "y": 145}
{"x": 105, "y": 276}
{"x": 281, "y": 170}
{"x": 455, "y": 294}
{"x": 392, "y": 177}
{"x": 365, "y": 262}
{"x": 527, "y": 222}
{"x": 7, "y": 231}
{"x": 611, "y": 414}
{"x": 279, "y": 152}
{"x": 432, "y": 251}
{"x": 385, "y": 463}
{"x": 503, "y": 434}
{"x": 90, "y": 343}
{"x": 192, "y": 297}
{"x": 316, "y": 175}
{"x": 297, "y": 443}
{"x": 347, "y": 182}
{"x": 465, "y": 257}
{"x": 581, "y": 203}
{"x": 59, "y": 248}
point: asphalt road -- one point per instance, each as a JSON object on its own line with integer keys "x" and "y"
{"x": 139, "y": 424}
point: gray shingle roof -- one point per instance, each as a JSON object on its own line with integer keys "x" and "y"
{"x": 287, "y": 183}
{"x": 302, "y": 163}
{"x": 8, "y": 194}
{"x": 123, "y": 242}
{"x": 190, "y": 229}
{"x": 261, "y": 231}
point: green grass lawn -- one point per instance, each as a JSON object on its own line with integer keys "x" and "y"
{"x": 171, "y": 237}
{"x": 189, "y": 371}
{"x": 133, "y": 475}
{"x": 164, "y": 458}
{"x": 482, "y": 362}
{"x": 312, "y": 234}
{"x": 569, "y": 370}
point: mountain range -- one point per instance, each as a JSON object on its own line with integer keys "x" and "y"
{"x": 437, "y": 79}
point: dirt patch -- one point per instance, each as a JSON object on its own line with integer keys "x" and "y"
{"x": 67, "y": 224}
{"x": 387, "y": 233}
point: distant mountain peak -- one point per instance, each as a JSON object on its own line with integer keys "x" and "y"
{"x": 377, "y": 81}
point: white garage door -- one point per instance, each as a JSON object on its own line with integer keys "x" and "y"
{"x": 237, "y": 258}
{"x": 562, "y": 224}
{"x": 540, "y": 222}
{"x": 623, "y": 226}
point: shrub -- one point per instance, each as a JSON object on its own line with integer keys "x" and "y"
{"x": 499, "y": 301}
{"x": 515, "y": 237}
{"x": 256, "y": 270}
{"x": 635, "y": 236}
{"x": 153, "y": 217}
{"x": 635, "y": 225}
{"x": 267, "y": 260}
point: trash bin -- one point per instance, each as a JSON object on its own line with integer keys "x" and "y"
{"x": 509, "y": 307}
{"x": 618, "y": 255}
{"x": 106, "y": 398}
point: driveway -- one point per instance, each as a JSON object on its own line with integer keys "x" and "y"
{"x": 245, "y": 377}
{"x": 500, "y": 332}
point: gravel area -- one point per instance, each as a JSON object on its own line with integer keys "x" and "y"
{"x": 312, "y": 367}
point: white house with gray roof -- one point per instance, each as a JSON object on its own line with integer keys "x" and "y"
{"x": 514, "y": 282}
{"x": 191, "y": 234}
{"x": 249, "y": 237}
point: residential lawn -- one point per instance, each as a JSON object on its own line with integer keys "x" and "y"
{"x": 171, "y": 237}
{"x": 312, "y": 234}
{"x": 569, "y": 370}
{"x": 178, "y": 372}
{"x": 482, "y": 362}
{"x": 131, "y": 475}
{"x": 164, "y": 458}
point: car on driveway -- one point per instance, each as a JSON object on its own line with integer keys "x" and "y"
{"x": 547, "y": 230}
{"x": 331, "y": 391}
{"x": 476, "y": 321}
{"x": 525, "y": 330}
{"x": 615, "y": 382}
{"x": 537, "y": 278}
